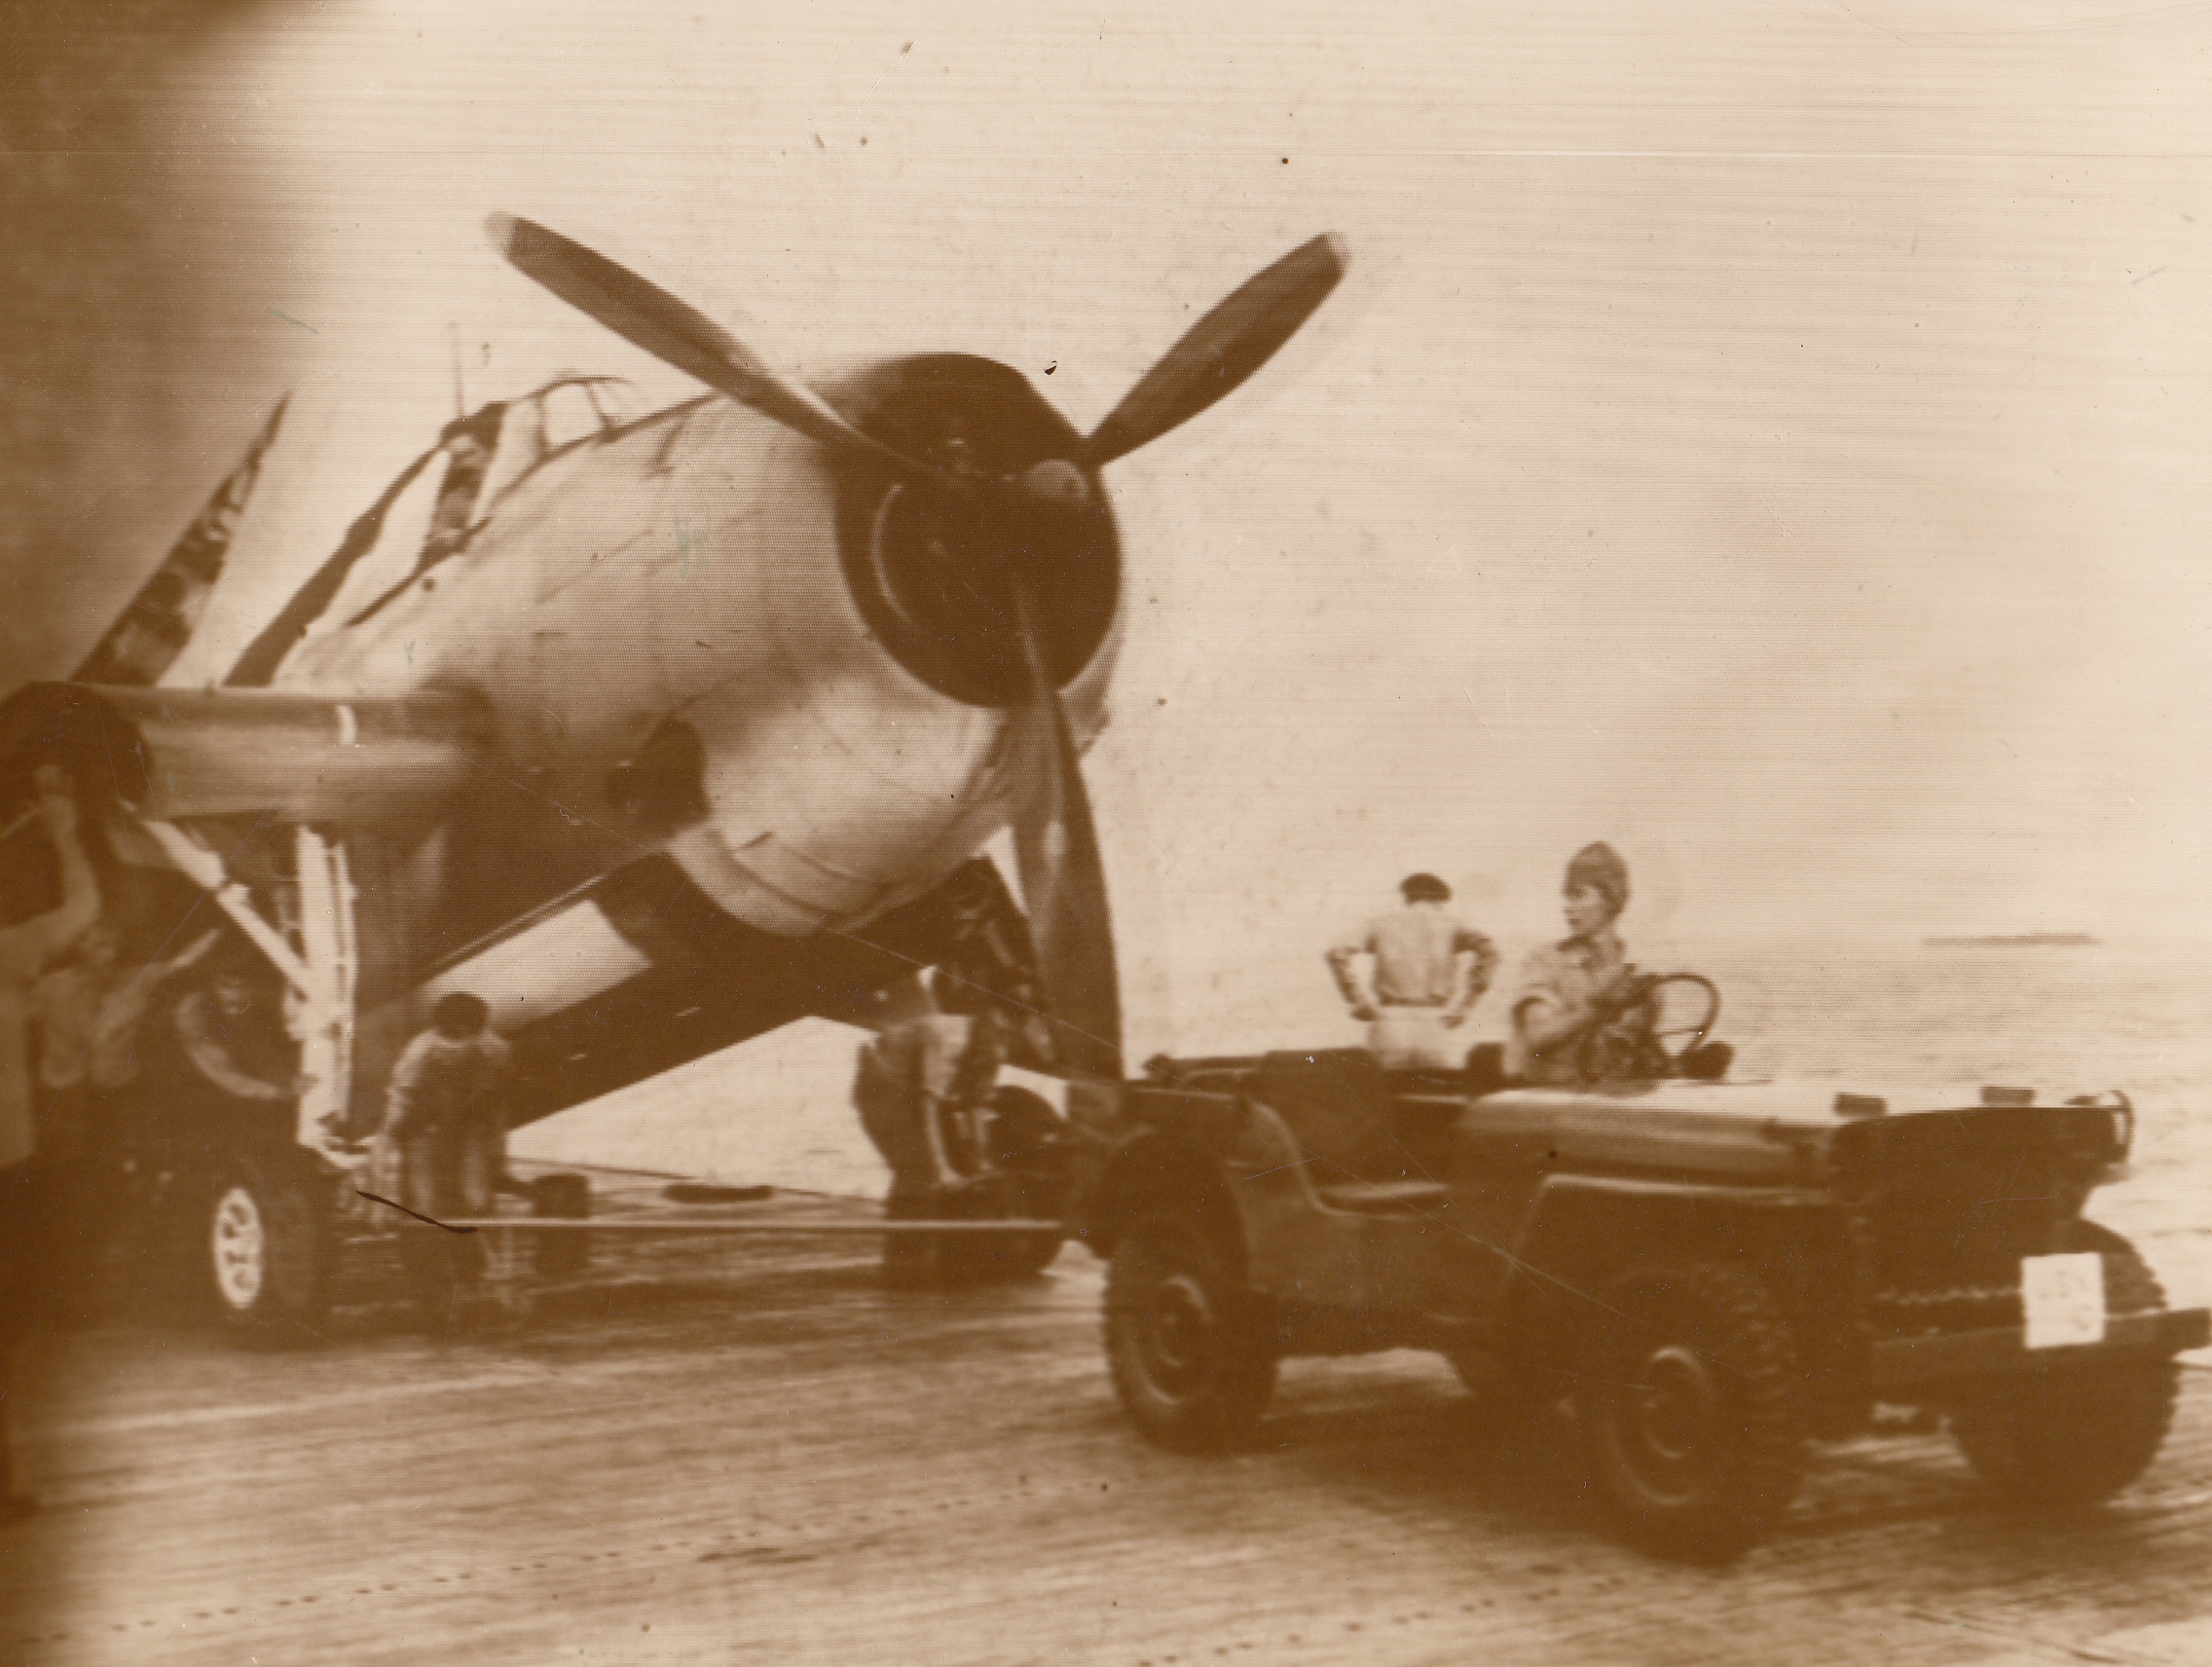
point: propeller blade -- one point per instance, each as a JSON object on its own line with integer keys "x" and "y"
{"x": 1063, "y": 883}
{"x": 676, "y": 333}
{"x": 1221, "y": 351}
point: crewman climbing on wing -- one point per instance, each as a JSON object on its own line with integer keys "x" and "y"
{"x": 89, "y": 1012}
{"x": 1426, "y": 970}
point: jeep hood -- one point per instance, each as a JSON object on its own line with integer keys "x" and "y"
{"x": 1782, "y": 1131}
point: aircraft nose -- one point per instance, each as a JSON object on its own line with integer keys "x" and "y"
{"x": 941, "y": 575}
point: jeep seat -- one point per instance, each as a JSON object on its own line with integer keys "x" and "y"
{"x": 1344, "y": 1112}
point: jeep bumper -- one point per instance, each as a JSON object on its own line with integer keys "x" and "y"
{"x": 1915, "y": 1362}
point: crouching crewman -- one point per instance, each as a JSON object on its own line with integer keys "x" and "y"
{"x": 920, "y": 1089}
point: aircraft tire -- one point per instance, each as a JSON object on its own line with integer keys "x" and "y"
{"x": 1025, "y": 1136}
{"x": 561, "y": 1198}
{"x": 1509, "y": 1393}
{"x": 994, "y": 1258}
{"x": 268, "y": 1251}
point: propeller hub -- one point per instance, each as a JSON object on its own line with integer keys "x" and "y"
{"x": 1058, "y": 483}
{"x": 935, "y": 570}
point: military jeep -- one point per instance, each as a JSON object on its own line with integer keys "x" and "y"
{"x": 1700, "y": 1277}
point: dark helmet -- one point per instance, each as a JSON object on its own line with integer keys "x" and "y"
{"x": 1424, "y": 888}
{"x": 1601, "y": 869}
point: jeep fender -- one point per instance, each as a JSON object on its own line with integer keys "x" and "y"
{"x": 1157, "y": 1171}
{"x": 1585, "y": 1232}
{"x": 1242, "y": 1177}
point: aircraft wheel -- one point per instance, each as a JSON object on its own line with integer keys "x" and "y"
{"x": 982, "y": 1258}
{"x": 1025, "y": 1138}
{"x": 268, "y": 1253}
{"x": 1023, "y": 1128}
{"x": 910, "y": 1260}
{"x": 914, "y": 1260}
{"x": 561, "y": 1198}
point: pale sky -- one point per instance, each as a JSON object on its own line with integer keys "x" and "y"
{"x": 1769, "y": 435}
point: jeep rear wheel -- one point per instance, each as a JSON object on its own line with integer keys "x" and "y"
{"x": 1191, "y": 1362}
{"x": 2072, "y": 1435}
{"x": 1693, "y": 1425}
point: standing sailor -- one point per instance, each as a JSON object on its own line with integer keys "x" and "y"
{"x": 1427, "y": 969}
{"x": 446, "y": 1123}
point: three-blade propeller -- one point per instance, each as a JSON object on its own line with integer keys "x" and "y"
{"x": 1063, "y": 881}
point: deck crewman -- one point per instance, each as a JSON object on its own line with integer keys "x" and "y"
{"x": 89, "y": 1011}
{"x": 1583, "y": 1014}
{"x": 922, "y": 1086}
{"x": 445, "y": 1130}
{"x": 229, "y": 1055}
{"x": 1425, "y": 970}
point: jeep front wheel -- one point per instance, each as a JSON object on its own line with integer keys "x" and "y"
{"x": 2070, "y": 1435}
{"x": 1191, "y": 1360}
{"x": 1693, "y": 1427}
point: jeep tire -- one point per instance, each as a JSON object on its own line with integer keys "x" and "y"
{"x": 1691, "y": 1409}
{"x": 2070, "y": 1435}
{"x": 1192, "y": 1360}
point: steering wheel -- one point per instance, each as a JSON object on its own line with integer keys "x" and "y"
{"x": 1607, "y": 1055}
{"x": 1677, "y": 1035}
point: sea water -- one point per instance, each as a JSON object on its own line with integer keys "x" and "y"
{"x": 2063, "y": 1020}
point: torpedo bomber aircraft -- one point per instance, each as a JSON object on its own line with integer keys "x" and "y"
{"x": 695, "y": 727}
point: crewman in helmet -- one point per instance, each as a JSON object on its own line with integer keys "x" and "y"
{"x": 1423, "y": 968}
{"x": 1583, "y": 983}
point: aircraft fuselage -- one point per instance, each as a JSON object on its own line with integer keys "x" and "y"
{"x": 664, "y": 627}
